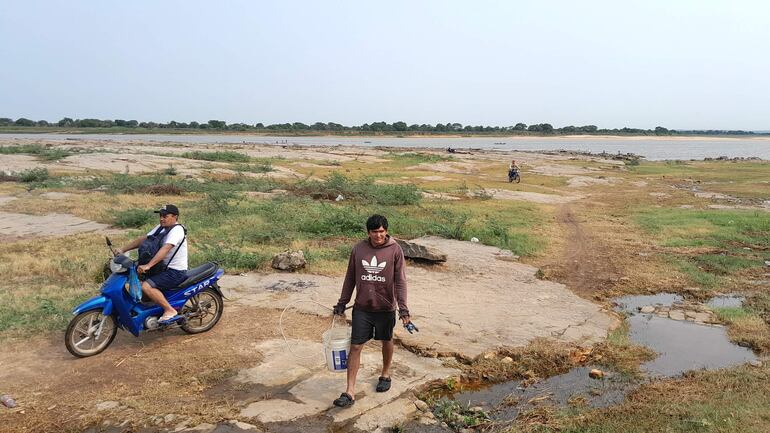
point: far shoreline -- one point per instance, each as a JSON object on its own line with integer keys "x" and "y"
{"x": 282, "y": 134}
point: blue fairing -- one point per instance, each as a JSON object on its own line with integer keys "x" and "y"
{"x": 95, "y": 303}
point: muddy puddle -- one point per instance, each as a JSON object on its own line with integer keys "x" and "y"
{"x": 679, "y": 332}
{"x": 728, "y": 301}
{"x": 505, "y": 401}
{"x": 681, "y": 345}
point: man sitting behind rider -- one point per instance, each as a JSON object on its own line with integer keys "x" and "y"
{"x": 176, "y": 267}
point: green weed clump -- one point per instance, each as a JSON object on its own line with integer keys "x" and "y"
{"x": 364, "y": 189}
{"x": 160, "y": 184}
{"x": 262, "y": 166}
{"x": 413, "y": 158}
{"x": 45, "y": 153}
{"x": 133, "y": 218}
{"x": 230, "y": 258}
{"x": 221, "y": 155}
{"x": 738, "y": 236}
{"x": 38, "y": 174}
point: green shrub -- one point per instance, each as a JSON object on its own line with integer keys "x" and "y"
{"x": 230, "y": 258}
{"x": 41, "y": 152}
{"x": 411, "y": 158}
{"x": 170, "y": 171}
{"x": 133, "y": 218}
{"x": 363, "y": 189}
{"x": 224, "y": 155}
{"x": 38, "y": 174}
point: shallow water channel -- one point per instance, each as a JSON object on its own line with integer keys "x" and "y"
{"x": 682, "y": 345}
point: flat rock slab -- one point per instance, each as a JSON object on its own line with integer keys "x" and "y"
{"x": 476, "y": 301}
{"x": 6, "y": 199}
{"x": 561, "y": 170}
{"x": 535, "y": 197}
{"x": 17, "y": 225}
{"x": 580, "y": 181}
{"x": 317, "y": 387}
{"x": 17, "y": 162}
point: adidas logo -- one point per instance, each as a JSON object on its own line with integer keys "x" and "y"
{"x": 373, "y": 267}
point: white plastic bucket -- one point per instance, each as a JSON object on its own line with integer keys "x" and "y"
{"x": 337, "y": 348}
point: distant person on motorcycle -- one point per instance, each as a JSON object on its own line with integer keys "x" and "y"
{"x": 513, "y": 166}
{"x": 376, "y": 271}
{"x": 170, "y": 262}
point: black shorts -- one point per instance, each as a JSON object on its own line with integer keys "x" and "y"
{"x": 168, "y": 279}
{"x": 368, "y": 325}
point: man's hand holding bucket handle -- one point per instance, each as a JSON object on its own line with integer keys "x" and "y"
{"x": 338, "y": 310}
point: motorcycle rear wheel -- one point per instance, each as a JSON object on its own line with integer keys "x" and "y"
{"x": 81, "y": 339}
{"x": 202, "y": 311}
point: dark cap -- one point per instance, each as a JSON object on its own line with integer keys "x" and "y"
{"x": 168, "y": 209}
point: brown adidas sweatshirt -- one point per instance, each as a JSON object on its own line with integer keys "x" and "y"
{"x": 377, "y": 274}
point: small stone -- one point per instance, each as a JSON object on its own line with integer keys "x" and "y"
{"x": 475, "y": 239}
{"x": 107, "y": 405}
{"x": 676, "y": 315}
{"x": 242, "y": 425}
{"x": 507, "y": 360}
{"x": 596, "y": 374}
{"x": 477, "y": 409}
{"x": 647, "y": 309}
{"x": 429, "y": 415}
{"x": 169, "y": 418}
{"x": 756, "y": 363}
{"x": 444, "y": 425}
{"x": 490, "y": 355}
{"x": 421, "y": 405}
{"x": 339, "y": 198}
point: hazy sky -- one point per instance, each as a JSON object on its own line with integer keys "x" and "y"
{"x": 680, "y": 64}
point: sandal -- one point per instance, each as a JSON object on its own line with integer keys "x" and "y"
{"x": 383, "y": 384}
{"x": 165, "y": 320}
{"x": 345, "y": 400}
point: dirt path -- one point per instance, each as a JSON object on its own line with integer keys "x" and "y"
{"x": 586, "y": 264}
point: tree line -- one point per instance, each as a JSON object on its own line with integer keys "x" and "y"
{"x": 375, "y": 127}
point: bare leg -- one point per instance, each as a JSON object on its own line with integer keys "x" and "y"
{"x": 354, "y": 361}
{"x": 387, "y": 357}
{"x": 157, "y": 297}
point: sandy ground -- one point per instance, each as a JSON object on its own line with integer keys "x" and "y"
{"x": 243, "y": 370}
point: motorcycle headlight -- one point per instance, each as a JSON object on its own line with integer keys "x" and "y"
{"x": 117, "y": 268}
{"x": 120, "y": 264}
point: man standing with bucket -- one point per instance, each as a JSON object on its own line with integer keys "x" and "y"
{"x": 376, "y": 271}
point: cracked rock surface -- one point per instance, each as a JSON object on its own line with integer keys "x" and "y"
{"x": 478, "y": 300}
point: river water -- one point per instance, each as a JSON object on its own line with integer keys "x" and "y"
{"x": 653, "y": 149}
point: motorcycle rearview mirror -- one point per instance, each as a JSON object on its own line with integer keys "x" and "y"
{"x": 109, "y": 245}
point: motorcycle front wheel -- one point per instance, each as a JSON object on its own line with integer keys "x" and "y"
{"x": 89, "y": 333}
{"x": 202, "y": 311}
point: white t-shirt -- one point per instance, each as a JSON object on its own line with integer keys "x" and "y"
{"x": 174, "y": 238}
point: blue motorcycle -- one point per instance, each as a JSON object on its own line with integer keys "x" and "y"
{"x": 198, "y": 300}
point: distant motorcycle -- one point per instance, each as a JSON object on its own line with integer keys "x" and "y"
{"x": 198, "y": 300}
{"x": 513, "y": 175}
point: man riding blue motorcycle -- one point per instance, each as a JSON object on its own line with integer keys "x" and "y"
{"x": 163, "y": 268}
{"x": 191, "y": 299}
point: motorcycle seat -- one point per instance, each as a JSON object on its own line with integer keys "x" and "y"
{"x": 196, "y": 275}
